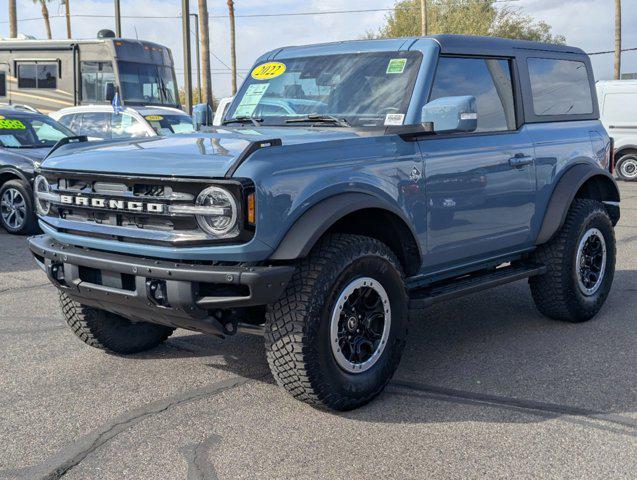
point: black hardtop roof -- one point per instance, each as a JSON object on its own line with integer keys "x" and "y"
{"x": 473, "y": 44}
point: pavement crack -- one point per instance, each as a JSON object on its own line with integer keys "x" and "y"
{"x": 56, "y": 466}
{"x": 198, "y": 456}
{"x": 28, "y": 287}
{"x": 544, "y": 408}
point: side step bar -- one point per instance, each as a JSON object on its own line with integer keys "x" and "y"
{"x": 425, "y": 296}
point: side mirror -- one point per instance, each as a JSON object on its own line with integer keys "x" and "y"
{"x": 201, "y": 116}
{"x": 451, "y": 114}
{"x": 109, "y": 93}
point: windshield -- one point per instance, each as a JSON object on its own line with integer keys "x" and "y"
{"x": 148, "y": 84}
{"x": 18, "y": 131}
{"x": 170, "y": 124}
{"x": 368, "y": 89}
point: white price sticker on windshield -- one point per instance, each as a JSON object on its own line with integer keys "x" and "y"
{"x": 394, "y": 119}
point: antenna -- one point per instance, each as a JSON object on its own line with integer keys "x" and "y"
{"x": 136, "y": 36}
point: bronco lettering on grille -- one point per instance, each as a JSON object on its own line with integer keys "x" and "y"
{"x": 96, "y": 202}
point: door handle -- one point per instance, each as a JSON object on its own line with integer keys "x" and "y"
{"x": 520, "y": 160}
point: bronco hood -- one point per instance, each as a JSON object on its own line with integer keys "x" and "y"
{"x": 195, "y": 155}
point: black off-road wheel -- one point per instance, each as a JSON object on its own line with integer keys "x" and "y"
{"x": 17, "y": 215}
{"x": 581, "y": 265}
{"x": 110, "y": 332}
{"x": 336, "y": 336}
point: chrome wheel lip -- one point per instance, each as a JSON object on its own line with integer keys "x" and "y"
{"x": 13, "y": 208}
{"x": 592, "y": 232}
{"x": 628, "y": 162}
{"x": 343, "y": 362}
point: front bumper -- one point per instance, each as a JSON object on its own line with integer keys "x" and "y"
{"x": 170, "y": 293}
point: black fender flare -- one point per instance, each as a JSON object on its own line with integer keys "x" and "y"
{"x": 564, "y": 194}
{"x": 311, "y": 225}
{"x": 16, "y": 172}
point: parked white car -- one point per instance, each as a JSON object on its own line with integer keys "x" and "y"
{"x": 618, "y": 111}
{"x": 101, "y": 122}
{"x": 221, "y": 110}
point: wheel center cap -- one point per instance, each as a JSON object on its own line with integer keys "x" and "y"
{"x": 352, "y": 323}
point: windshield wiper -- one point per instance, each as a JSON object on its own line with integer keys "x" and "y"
{"x": 244, "y": 119}
{"x": 319, "y": 118}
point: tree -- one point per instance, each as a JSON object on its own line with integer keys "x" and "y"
{"x": 618, "y": 39}
{"x": 67, "y": 9}
{"x": 474, "y": 17}
{"x": 205, "y": 52}
{"x": 233, "y": 48}
{"x": 45, "y": 16}
{"x": 13, "y": 20}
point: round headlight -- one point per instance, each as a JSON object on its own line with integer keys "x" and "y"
{"x": 41, "y": 185}
{"x": 222, "y": 223}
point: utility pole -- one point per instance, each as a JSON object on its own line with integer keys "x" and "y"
{"x": 205, "y": 52}
{"x": 423, "y": 17}
{"x": 233, "y": 49}
{"x": 118, "y": 20}
{"x": 197, "y": 55}
{"x": 618, "y": 39}
{"x": 13, "y": 20}
{"x": 185, "y": 25}
{"x": 68, "y": 18}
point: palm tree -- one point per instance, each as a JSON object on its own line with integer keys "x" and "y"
{"x": 233, "y": 51}
{"x": 45, "y": 16}
{"x": 618, "y": 39}
{"x": 205, "y": 52}
{"x": 13, "y": 21}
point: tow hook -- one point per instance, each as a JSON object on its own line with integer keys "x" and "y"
{"x": 156, "y": 292}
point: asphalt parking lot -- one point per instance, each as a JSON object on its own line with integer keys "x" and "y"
{"x": 488, "y": 388}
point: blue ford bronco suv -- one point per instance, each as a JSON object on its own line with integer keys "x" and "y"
{"x": 350, "y": 183}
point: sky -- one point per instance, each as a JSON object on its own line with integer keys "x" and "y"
{"x": 588, "y": 24}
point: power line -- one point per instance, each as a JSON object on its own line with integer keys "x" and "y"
{"x": 252, "y": 15}
{"x": 612, "y": 51}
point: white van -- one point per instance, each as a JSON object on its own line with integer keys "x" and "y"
{"x": 618, "y": 110}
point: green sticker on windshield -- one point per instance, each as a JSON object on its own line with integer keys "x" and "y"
{"x": 8, "y": 124}
{"x": 251, "y": 99}
{"x": 396, "y": 65}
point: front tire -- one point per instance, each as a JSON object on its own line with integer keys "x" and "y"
{"x": 17, "y": 215}
{"x": 335, "y": 338}
{"x": 110, "y": 332}
{"x": 580, "y": 263}
{"x": 626, "y": 167}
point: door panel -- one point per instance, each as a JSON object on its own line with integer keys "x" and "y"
{"x": 480, "y": 196}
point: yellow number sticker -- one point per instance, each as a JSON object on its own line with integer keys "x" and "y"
{"x": 268, "y": 70}
{"x": 11, "y": 124}
{"x": 154, "y": 118}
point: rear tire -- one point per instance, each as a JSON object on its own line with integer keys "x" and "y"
{"x": 17, "y": 215}
{"x": 343, "y": 273}
{"x": 570, "y": 291}
{"x": 626, "y": 167}
{"x": 110, "y": 332}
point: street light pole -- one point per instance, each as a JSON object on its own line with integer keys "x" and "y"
{"x": 198, "y": 55}
{"x": 118, "y": 20}
{"x": 185, "y": 24}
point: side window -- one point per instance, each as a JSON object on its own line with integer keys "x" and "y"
{"x": 37, "y": 75}
{"x": 95, "y": 76}
{"x": 3, "y": 84}
{"x": 67, "y": 120}
{"x": 96, "y": 124}
{"x": 559, "y": 87}
{"x": 488, "y": 80}
{"x": 127, "y": 126}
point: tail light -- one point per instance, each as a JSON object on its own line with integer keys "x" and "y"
{"x": 611, "y": 156}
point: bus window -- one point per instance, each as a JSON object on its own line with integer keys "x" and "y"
{"x": 37, "y": 75}
{"x": 147, "y": 83}
{"x": 95, "y": 76}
